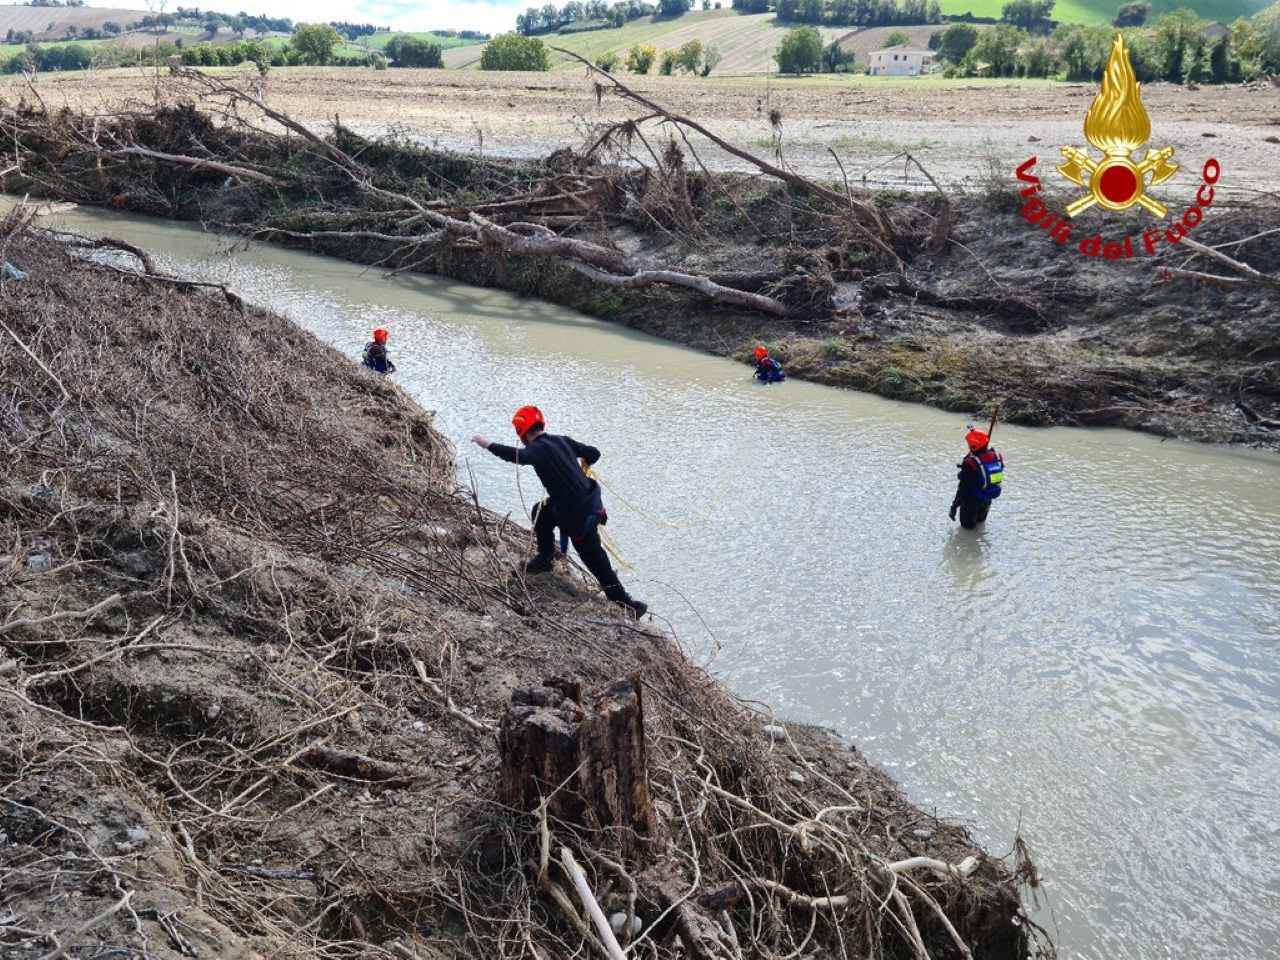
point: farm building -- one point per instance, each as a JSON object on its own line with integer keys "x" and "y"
{"x": 900, "y": 61}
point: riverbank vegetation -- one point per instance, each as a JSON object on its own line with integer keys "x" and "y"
{"x": 267, "y": 671}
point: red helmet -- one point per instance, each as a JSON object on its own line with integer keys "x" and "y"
{"x": 976, "y": 440}
{"x": 527, "y": 417}
{"x": 380, "y": 335}
{"x": 761, "y": 352}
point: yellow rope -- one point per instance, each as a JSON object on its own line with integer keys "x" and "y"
{"x": 612, "y": 547}
{"x": 669, "y": 524}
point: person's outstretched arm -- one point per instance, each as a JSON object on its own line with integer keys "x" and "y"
{"x": 525, "y": 455}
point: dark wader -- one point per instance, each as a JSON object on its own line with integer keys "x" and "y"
{"x": 590, "y": 549}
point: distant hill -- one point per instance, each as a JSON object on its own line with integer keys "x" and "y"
{"x": 50, "y": 23}
{"x": 749, "y": 41}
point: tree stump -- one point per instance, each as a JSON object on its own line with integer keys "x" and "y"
{"x": 588, "y": 762}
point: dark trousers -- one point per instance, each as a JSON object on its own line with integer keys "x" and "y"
{"x": 973, "y": 512}
{"x": 588, "y": 545}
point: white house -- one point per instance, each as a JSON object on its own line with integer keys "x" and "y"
{"x": 900, "y": 61}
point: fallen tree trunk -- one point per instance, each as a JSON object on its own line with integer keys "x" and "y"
{"x": 120, "y": 159}
{"x": 864, "y": 215}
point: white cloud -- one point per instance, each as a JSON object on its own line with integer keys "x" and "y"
{"x": 483, "y": 15}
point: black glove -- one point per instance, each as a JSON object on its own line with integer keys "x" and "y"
{"x": 954, "y": 508}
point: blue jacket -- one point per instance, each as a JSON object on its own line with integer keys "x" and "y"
{"x": 768, "y": 371}
{"x": 375, "y": 358}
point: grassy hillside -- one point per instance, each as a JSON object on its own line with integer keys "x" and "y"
{"x": 458, "y": 58}
{"x": 747, "y": 42}
{"x": 862, "y": 42}
{"x": 38, "y": 19}
{"x": 1103, "y": 11}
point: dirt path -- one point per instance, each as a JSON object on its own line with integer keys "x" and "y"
{"x": 966, "y": 132}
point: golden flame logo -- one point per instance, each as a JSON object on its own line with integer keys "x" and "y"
{"x": 1117, "y": 125}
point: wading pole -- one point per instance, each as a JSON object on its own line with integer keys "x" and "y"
{"x": 992, "y": 428}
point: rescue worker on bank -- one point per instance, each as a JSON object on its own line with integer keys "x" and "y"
{"x": 767, "y": 368}
{"x": 375, "y": 353}
{"x": 573, "y": 500}
{"x": 981, "y": 474}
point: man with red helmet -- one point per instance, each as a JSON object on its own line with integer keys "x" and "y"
{"x": 981, "y": 474}
{"x": 375, "y": 353}
{"x": 573, "y": 500}
{"x": 767, "y": 369}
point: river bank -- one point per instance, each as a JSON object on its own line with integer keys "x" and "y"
{"x": 257, "y": 642}
{"x": 998, "y": 313}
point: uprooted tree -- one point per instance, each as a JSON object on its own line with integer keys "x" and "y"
{"x": 214, "y": 163}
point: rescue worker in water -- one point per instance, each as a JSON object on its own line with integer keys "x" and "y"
{"x": 375, "y": 353}
{"x": 767, "y": 368}
{"x": 981, "y": 474}
{"x": 573, "y": 500}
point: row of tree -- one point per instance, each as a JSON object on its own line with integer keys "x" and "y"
{"x": 550, "y": 18}
{"x": 514, "y": 51}
{"x": 859, "y": 13}
{"x": 212, "y": 21}
{"x": 1175, "y": 48}
{"x": 77, "y": 56}
{"x": 312, "y": 44}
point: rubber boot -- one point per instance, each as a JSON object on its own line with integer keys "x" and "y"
{"x": 542, "y": 563}
{"x": 618, "y": 594}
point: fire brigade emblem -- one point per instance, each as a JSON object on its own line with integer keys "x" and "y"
{"x": 1117, "y": 125}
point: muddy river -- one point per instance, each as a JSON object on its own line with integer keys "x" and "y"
{"x": 1098, "y": 669}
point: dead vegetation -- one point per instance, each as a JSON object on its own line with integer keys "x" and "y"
{"x": 255, "y": 646}
{"x": 409, "y": 208}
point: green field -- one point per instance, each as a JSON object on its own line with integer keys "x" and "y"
{"x": 379, "y": 40}
{"x": 1104, "y": 11}
{"x": 747, "y": 42}
{"x": 9, "y": 49}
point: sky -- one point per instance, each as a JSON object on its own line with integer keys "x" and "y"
{"x": 484, "y": 15}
